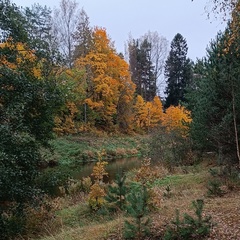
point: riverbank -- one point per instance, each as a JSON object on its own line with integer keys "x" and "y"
{"x": 72, "y": 150}
{"x": 73, "y": 157}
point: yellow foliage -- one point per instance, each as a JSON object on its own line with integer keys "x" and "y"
{"x": 65, "y": 123}
{"x": 144, "y": 173}
{"x": 99, "y": 170}
{"x": 109, "y": 82}
{"x": 96, "y": 196}
{"x": 148, "y": 114}
{"x": 177, "y": 118}
{"x": 156, "y": 111}
{"x": 86, "y": 184}
{"x": 97, "y": 192}
{"x": 25, "y": 59}
{"x": 141, "y": 112}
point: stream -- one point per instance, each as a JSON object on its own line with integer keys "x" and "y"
{"x": 50, "y": 183}
{"x": 113, "y": 167}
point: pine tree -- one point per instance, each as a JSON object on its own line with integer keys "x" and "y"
{"x": 177, "y": 71}
{"x": 116, "y": 194}
{"x": 137, "y": 208}
{"x": 216, "y": 99}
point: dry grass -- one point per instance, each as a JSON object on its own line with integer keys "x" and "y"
{"x": 90, "y": 232}
{"x": 76, "y": 222}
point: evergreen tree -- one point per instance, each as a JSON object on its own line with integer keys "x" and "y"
{"x": 149, "y": 84}
{"x": 117, "y": 193}
{"x": 12, "y": 22}
{"x": 215, "y": 101}
{"x": 137, "y": 208}
{"x": 177, "y": 71}
{"x": 83, "y": 36}
{"x": 142, "y": 69}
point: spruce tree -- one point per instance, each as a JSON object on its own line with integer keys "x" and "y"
{"x": 177, "y": 71}
{"x": 142, "y": 69}
{"x": 83, "y": 36}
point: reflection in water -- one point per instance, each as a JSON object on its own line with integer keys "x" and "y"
{"x": 113, "y": 167}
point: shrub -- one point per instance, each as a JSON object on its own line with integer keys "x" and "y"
{"x": 190, "y": 227}
{"x": 38, "y": 214}
{"x": 12, "y": 221}
{"x": 116, "y": 194}
{"x": 96, "y": 196}
{"x": 171, "y": 148}
{"x": 214, "y": 188}
{"x": 97, "y": 192}
{"x": 137, "y": 209}
{"x": 86, "y": 184}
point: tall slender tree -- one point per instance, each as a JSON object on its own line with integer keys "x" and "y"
{"x": 142, "y": 69}
{"x": 158, "y": 55}
{"x": 177, "y": 71}
{"x": 146, "y": 59}
{"x": 42, "y": 39}
{"x": 65, "y": 22}
{"x": 83, "y": 36}
{"x": 216, "y": 99}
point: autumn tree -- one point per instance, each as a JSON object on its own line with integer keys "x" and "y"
{"x": 148, "y": 114}
{"x": 177, "y": 119}
{"x": 97, "y": 192}
{"x": 224, "y": 8}
{"x": 177, "y": 71}
{"x": 170, "y": 141}
{"x": 33, "y": 27}
{"x": 109, "y": 87}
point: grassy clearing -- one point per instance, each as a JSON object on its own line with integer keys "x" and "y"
{"x": 77, "y": 222}
{"x": 74, "y": 220}
{"x": 77, "y": 149}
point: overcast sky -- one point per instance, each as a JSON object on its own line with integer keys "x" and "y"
{"x": 167, "y": 17}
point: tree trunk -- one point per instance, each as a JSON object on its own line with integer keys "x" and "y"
{"x": 235, "y": 125}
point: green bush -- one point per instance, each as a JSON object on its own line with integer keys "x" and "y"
{"x": 116, "y": 193}
{"x": 12, "y": 221}
{"x": 137, "y": 209}
{"x": 170, "y": 148}
{"x": 197, "y": 227}
{"x": 214, "y": 188}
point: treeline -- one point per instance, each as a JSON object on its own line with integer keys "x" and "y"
{"x": 99, "y": 89}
